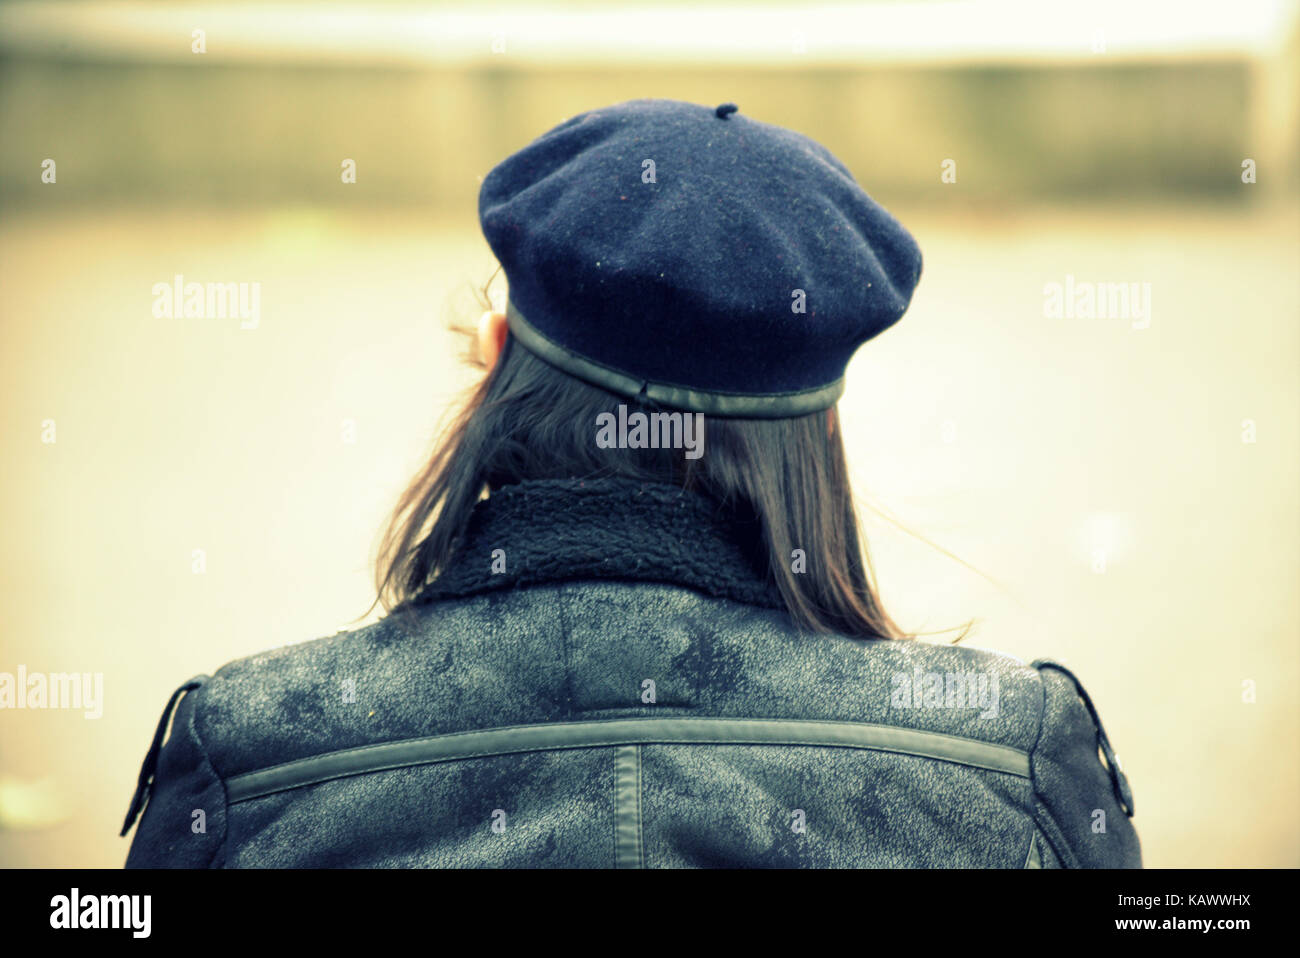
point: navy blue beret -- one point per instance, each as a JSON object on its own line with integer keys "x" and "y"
{"x": 694, "y": 257}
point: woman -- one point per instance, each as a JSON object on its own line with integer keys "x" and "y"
{"x": 630, "y": 619}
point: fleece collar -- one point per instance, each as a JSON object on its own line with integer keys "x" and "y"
{"x": 559, "y": 530}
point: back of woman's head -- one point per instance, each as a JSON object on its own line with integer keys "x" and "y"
{"x": 703, "y": 269}
{"x": 783, "y": 479}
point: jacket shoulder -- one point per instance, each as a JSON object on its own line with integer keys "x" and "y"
{"x": 180, "y": 794}
{"x": 1084, "y": 800}
{"x": 479, "y": 661}
{"x": 968, "y": 691}
{"x": 179, "y": 798}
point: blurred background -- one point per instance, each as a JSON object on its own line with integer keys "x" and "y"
{"x": 1117, "y": 491}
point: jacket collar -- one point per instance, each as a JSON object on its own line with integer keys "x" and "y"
{"x": 557, "y": 530}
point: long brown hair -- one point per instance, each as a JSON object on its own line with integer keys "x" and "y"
{"x": 529, "y": 420}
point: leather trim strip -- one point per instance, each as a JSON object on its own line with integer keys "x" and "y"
{"x": 738, "y": 405}
{"x": 628, "y": 849}
{"x": 678, "y": 730}
{"x": 1033, "y": 859}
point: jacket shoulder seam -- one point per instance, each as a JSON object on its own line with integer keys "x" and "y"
{"x": 1059, "y": 845}
{"x": 221, "y": 780}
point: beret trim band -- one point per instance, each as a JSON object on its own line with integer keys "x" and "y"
{"x": 737, "y": 405}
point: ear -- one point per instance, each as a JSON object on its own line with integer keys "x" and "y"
{"x": 492, "y": 330}
{"x": 830, "y": 423}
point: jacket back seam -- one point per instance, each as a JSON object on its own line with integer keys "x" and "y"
{"x": 629, "y": 851}
{"x": 344, "y": 763}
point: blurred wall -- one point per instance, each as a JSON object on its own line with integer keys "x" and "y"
{"x": 242, "y": 135}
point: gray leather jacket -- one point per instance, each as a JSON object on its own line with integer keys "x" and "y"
{"x": 627, "y": 693}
